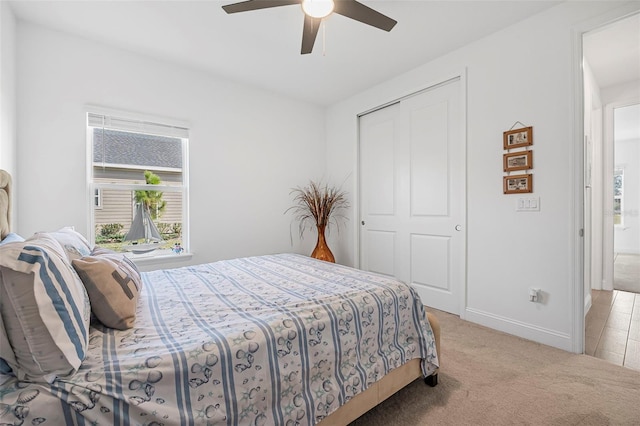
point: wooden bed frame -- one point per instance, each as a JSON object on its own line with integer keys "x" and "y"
{"x": 357, "y": 406}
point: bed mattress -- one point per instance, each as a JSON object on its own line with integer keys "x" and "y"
{"x": 278, "y": 339}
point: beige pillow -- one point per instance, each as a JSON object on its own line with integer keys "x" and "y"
{"x": 113, "y": 283}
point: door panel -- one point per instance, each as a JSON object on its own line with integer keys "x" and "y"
{"x": 381, "y": 169}
{"x": 412, "y": 190}
{"x": 429, "y": 160}
{"x": 378, "y": 168}
{"x": 381, "y": 248}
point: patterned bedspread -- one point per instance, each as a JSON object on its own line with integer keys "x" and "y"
{"x": 269, "y": 340}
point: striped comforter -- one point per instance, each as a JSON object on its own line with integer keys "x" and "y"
{"x": 279, "y": 339}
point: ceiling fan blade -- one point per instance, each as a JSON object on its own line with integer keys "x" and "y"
{"x": 358, "y": 11}
{"x": 248, "y": 5}
{"x": 309, "y": 33}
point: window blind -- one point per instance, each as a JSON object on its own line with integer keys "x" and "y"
{"x": 136, "y": 126}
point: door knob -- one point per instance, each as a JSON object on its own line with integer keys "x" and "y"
{"x": 458, "y": 227}
{"x": 362, "y": 222}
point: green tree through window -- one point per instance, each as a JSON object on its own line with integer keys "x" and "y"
{"x": 151, "y": 200}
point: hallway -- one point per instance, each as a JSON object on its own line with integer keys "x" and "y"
{"x": 612, "y": 327}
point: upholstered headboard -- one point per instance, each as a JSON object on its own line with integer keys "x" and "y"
{"x": 5, "y": 203}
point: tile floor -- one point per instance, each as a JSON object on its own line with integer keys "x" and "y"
{"x": 612, "y": 327}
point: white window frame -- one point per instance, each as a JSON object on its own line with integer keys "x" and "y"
{"x": 619, "y": 171}
{"x": 143, "y": 122}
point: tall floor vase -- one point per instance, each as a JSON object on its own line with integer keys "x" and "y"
{"x": 322, "y": 251}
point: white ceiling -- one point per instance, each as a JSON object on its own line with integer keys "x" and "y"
{"x": 613, "y": 52}
{"x": 262, "y": 48}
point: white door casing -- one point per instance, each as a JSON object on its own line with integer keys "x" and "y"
{"x": 412, "y": 193}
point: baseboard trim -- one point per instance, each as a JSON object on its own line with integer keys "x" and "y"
{"x": 588, "y": 301}
{"x": 517, "y": 328}
{"x": 626, "y": 251}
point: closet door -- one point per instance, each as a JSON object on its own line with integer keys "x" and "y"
{"x": 412, "y": 192}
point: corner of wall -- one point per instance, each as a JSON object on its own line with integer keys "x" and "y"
{"x": 8, "y": 142}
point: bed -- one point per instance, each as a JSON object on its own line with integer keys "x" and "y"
{"x": 276, "y": 339}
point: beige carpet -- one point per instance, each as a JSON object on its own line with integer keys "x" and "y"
{"x": 626, "y": 272}
{"x": 491, "y": 378}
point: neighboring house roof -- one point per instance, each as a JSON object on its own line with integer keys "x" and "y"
{"x": 136, "y": 149}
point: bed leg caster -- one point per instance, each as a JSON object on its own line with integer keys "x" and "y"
{"x": 431, "y": 380}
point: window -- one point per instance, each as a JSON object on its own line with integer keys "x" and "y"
{"x": 138, "y": 177}
{"x": 618, "y": 196}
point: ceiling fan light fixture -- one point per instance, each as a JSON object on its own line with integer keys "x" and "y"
{"x": 314, "y": 13}
{"x": 318, "y": 8}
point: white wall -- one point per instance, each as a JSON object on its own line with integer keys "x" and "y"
{"x": 523, "y": 73}
{"x": 627, "y": 157}
{"x": 624, "y": 93}
{"x": 7, "y": 88}
{"x": 8, "y": 95}
{"x": 619, "y": 95}
{"x": 248, "y": 147}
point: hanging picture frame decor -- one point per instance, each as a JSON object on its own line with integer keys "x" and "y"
{"x": 518, "y": 184}
{"x": 518, "y": 138}
{"x": 522, "y": 160}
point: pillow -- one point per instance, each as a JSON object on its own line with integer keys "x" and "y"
{"x": 73, "y": 243}
{"x": 7, "y": 357}
{"x": 113, "y": 283}
{"x": 12, "y": 238}
{"x": 45, "y": 310}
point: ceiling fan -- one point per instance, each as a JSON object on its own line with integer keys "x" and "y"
{"x": 315, "y": 11}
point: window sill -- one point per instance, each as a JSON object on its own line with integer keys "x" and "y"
{"x": 165, "y": 260}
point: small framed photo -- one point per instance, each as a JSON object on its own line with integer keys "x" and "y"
{"x": 517, "y": 161}
{"x": 517, "y": 184}
{"x": 518, "y": 138}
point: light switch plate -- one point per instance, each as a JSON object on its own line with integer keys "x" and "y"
{"x": 528, "y": 204}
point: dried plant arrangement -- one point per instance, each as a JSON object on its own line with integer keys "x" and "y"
{"x": 319, "y": 205}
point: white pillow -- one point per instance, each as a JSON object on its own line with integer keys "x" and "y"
{"x": 45, "y": 310}
{"x": 75, "y": 245}
{"x": 11, "y": 238}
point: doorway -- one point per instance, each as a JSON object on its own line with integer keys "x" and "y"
{"x": 626, "y": 198}
{"x": 612, "y": 159}
{"x": 412, "y": 192}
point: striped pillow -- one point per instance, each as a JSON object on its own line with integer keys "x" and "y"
{"x": 45, "y": 310}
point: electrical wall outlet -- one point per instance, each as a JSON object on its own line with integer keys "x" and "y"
{"x": 534, "y": 294}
